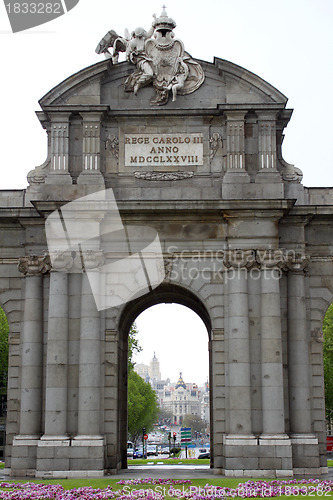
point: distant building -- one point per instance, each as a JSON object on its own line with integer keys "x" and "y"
{"x": 142, "y": 370}
{"x": 205, "y": 407}
{"x": 180, "y": 398}
{"x": 154, "y": 370}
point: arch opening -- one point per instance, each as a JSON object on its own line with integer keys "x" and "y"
{"x": 176, "y": 297}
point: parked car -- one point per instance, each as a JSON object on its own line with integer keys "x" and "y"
{"x": 138, "y": 453}
{"x": 203, "y": 453}
{"x": 151, "y": 450}
{"x": 164, "y": 449}
{"x": 130, "y": 449}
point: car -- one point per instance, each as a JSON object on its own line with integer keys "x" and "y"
{"x": 151, "y": 450}
{"x": 130, "y": 449}
{"x": 138, "y": 453}
{"x": 204, "y": 455}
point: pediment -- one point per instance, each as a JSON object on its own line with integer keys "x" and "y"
{"x": 103, "y": 84}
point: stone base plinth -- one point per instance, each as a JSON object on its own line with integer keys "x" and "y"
{"x": 70, "y": 458}
{"x": 24, "y": 456}
{"x": 249, "y": 456}
{"x": 267, "y": 175}
{"x": 57, "y": 177}
{"x": 91, "y": 177}
{"x": 305, "y": 454}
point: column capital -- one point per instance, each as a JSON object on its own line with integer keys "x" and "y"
{"x": 267, "y": 115}
{"x": 272, "y": 258}
{"x": 91, "y": 116}
{"x": 235, "y": 114}
{"x": 59, "y": 116}
{"x": 238, "y": 258}
{"x": 62, "y": 261}
{"x": 34, "y": 265}
{"x": 298, "y": 263}
{"x": 89, "y": 260}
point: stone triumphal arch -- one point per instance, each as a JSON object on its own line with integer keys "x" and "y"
{"x": 165, "y": 182}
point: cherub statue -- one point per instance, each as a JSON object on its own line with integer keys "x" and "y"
{"x": 178, "y": 80}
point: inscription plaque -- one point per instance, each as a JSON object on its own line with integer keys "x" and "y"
{"x": 169, "y": 150}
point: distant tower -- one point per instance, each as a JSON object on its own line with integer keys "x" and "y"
{"x": 154, "y": 369}
{"x": 180, "y": 382}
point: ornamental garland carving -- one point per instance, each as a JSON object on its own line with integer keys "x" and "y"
{"x": 163, "y": 176}
{"x": 286, "y": 260}
{"x": 112, "y": 144}
{"x": 159, "y": 57}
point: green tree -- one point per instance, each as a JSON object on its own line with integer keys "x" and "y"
{"x": 195, "y": 422}
{"x": 142, "y": 401}
{"x": 164, "y": 416}
{"x": 328, "y": 363}
{"x": 133, "y": 346}
{"x": 142, "y": 406}
{"x": 4, "y": 331}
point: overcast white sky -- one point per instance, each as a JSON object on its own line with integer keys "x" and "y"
{"x": 289, "y": 43}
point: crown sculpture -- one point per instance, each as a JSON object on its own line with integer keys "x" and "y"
{"x": 159, "y": 58}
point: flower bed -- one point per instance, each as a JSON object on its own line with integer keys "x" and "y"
{"x": 160, "y": 489}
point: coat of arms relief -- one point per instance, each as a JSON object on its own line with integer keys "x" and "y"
{"x": 159, "y": 58}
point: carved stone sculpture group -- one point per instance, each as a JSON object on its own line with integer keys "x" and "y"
{"x": 159, "y": 58}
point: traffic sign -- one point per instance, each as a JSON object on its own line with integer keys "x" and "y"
{"x": 145, "y": 436}
{"x": 185, "y": 436}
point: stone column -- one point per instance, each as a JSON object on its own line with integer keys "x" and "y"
{"x": 267, "y": 141}
{"x": 267, "y": 148}
{"x": 239, "y": 375}
{"x": 298, "y": 355}
{"x": 73, "y": 350}
{"x": 112, "y": 388}
{"x": 89, "y": 409}
{"x": 235, "y": 141}
{"x": 304, "y": 442}
{"x": 271, "y": 345}
{"x": 239, "y": 440}
{"x": 236, "y": 175}
{"x": 91, "y": 153}
{"x": 57, "y": 350}
{"x": 32, "y": 346}
{"x": 59, "y": 128}
{"x": 277, "y": 453}
{"x": 24, "y": 450}
{"x": 217, "y": 397}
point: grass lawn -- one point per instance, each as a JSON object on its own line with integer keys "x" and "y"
{"x": 293, "y": 491}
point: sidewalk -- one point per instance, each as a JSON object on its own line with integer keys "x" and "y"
{"x": 168, "y": 471}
